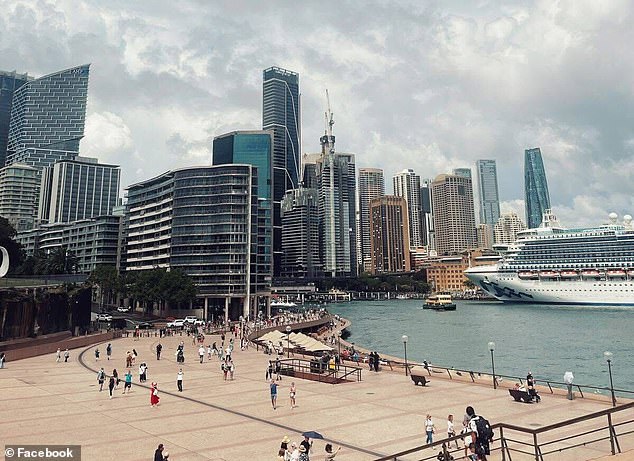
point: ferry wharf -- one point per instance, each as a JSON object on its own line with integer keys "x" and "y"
{"x": 44, "y": 402}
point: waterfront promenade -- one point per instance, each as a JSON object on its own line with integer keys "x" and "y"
{"x": 46, "y": 402}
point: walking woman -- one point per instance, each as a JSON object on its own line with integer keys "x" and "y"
{"x": 292, "y": 394}
{"x": 111, "y": 385}
{"x": 154, "y": 395}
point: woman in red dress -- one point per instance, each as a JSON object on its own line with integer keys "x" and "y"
{"x": 154, "y": 397}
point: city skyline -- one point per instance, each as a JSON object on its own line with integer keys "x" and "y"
{"x": 483, "y": 87}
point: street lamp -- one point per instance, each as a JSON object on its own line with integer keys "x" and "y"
{"x": 608, "y": 358}
{"x": 405, "y": 338}
{"x": 288, "y": 341}
{"x": 492, "y": 348}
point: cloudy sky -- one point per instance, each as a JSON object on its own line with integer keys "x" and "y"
{"x": 413, "y": 84}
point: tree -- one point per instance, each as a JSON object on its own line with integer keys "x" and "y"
{"x": 107, "y": 279}
{"x": 60, "y": 261}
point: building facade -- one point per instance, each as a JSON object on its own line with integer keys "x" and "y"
{"x": 47, "y": 118}
{"x": 507, "y": 227}
{"x": 407, "y": 185}
{"x": 300, "y": 235}
{"x": 203, "y": 221}
{"x": 9, "y": 83}
{"x": 281, "y": 115}
{"x": 371, "y": 186}
{"x": 446, "y": 274}
{"x": 454, "y": 216}
{"x": 488, "y": 195}
{"x": 536, "y": 195}
{"x": 463, "y": 172}
{"x": 389, "y": 231}
{"x": 484, "y": 233}
{"x": 72, "y": 190}
{"x": 427, "y": 215}
{"x": 19, "y": 188}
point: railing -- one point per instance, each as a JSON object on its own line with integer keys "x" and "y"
{"x": 318, "y": 371}
{"x": 530, "y": 444}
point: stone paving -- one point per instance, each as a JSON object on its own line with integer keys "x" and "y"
{"x": 59, "y": 403}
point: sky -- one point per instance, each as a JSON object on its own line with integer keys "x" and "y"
{"x": 427, "y": 85}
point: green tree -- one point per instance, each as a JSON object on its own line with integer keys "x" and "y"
{"x": 60, "y": 261}
{"x": 107, "y": 279}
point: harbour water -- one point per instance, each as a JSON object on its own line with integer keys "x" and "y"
{"x": 548, "y": 340}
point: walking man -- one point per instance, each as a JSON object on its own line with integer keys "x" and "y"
{"x": 201, "y": 353}
{"x": 179, "y": 380}
{"x": 109, "y": 350}
{"x": 159, "y": 348}
{"x": 66, "y": 355}
{"x": 101, "y": 377}
{"x": 97, "y": 354}
{"x": 274, "y": 393}
{"x": 111, "y": 384}
{"x": 58, "y": 356}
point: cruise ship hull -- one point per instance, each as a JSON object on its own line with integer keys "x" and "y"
{"x": 508, "y": 287}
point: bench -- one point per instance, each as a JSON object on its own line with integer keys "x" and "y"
{"x": 418, "y": 376}
{"x": 519, "y": 395}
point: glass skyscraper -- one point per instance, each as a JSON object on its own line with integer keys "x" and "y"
{"x": 47, "y": 118}
{"x": 489, "y": 199}
{"x": 9, "y": 83}
{"x": 371, "y": 186}
{"x": 280, "y": 113}
{"x": 536, "y": 196}
{"x": 407, "y": 185}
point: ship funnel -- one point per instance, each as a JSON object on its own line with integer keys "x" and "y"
{"x": 613, "y": 217}
{"x": 627, "y": 220}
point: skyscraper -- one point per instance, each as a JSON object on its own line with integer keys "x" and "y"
{"x": 281, "y": 114}
{"x": 488, "y": 196}
{"x": 536, "y": 196}
{"x": 72, "y": 190}
{"x": 47, "y": 118}
{"x": 427, "y": 215}
{"x": 407, "y": 185}
{"x": 454, "y": 216}
{"x": 464, "y": 172}
{"x": 19, "y": 188}
{"x": 371, "y": 186}
{"x": 389, "y": 241}
{"x": 9, "y": 83}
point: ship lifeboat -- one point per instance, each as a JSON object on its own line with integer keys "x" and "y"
{"x": 549, "y": 274}
{"x": 569, "y": 274}
{"x": 590, "y": 273}
{"x": 527, "y": 275}
{"x": 616, "y": 273}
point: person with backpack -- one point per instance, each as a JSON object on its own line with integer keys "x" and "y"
{"x": 481, "y": 434}
{"x": 101, "y": 378}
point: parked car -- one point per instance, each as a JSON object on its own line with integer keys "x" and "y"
{"x": 145, "y": 326}
{"x": 190, "y": 319}
{"x": 124, "y": 309}
{"x": 104, "y": 317}
{"x": 199, "y": 323}
{"x": 178, "y": 323}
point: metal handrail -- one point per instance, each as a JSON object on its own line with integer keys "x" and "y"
{"x": 304, "y": 366}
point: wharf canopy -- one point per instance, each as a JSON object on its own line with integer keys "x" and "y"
{"x": 204, "y": 222}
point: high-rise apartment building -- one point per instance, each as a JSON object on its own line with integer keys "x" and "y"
{"x": 47, "y": 118}
{"x": 484, "y": 233}
{"x": 300, "y": 235}
{"x": 202, "y": 220}
{"x": 488, "y": 196}
{"x": 9, "y": 83}
{"x": 454, "y": 216}
{"x": 281, "y": 114}
{"x": 389, "y": 239}
{"x": 73, "y": 190}
{"x": 536, "y": 195}
{"x": 371, "y": 186}
{"x": 507, "y": 227}
{"x": 19, "y": 189}
{"x": 407, "y": 185}
{"x": 427, "y": 215}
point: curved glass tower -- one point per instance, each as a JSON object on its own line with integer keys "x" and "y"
{"x": 536, "y": 195}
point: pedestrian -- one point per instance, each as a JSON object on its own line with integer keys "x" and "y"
{"x": 116, "y": 378}
{"x": 109, "y": 350}
{"x": 179, "y": 380}
{"x": 97, "y": 354}
{"x": 159, "y": 348}
{"x": 232, "y": 369}
{"x": 158, "y": 454}
{"x": 294, "y": 452}
{"x": 142, "y": 372}
{"x": 225, "y": 369}
{"x": 429, "y": 429}
{"x": 292, "y": 394}
{"x": 128, "y": 359}
{"x": 201, "y": 353}
{"x": 273, "y": 387}
{"x": 303, "y": 454}
{"x": 58, "y": 356}
{"x": 154, "y": 395}
{"x": 111, "y": 384}
{"x": 376, "y": 361}
{"x": 371, "y": 360}
{"x": 101, "y": 377}
{"x": 278, "y": 369}
{"x": 269, "y": 371}
{"x": 481, "y": 434}
{"x": 208, "y": 352}
{"x": 134, "y": 355}
{"x": 128, "y": 382}
{"x": 214, "y": 349}
{"x": 451, "y": 430}
{"x": 330, "y": 455}
{"x": 307, "y": 444}
{"x": 66, "y": 355}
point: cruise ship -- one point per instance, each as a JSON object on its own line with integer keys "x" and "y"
{"x": 554, "y": 265}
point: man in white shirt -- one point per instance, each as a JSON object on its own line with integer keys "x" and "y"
{"x": 201, "y": 353}
{"x": 179, "y": 380}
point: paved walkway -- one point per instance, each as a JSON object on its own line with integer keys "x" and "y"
{"x": 45, "y": 402}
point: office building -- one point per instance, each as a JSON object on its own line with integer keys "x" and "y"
{"x": 73, "y": 190}
{"x": 488, "y": 196}
{"x": 407, "y": 185}
{"x": 507, "y": 227}
{"x": 203, "y": 221}
{"x": 389, "y": 229}
{"x": 427, "y": 215}
{"x": 47, "y": 118}
{"x": 454, "y": 216}
{"x": 371, "y": 186}
{"x": 281, "y": 114}
{"x": 484, "y": 234}
{"x": 463, "y": 172}
{"x": 536, "y": 195}
{"x": 300, "y": 235}
{"x": 19, "y": 188}
{"x": 9, "y": 83}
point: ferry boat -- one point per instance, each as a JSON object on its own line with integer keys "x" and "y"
{"x": 440, "y": 302}
{"x": 555, "y": 265}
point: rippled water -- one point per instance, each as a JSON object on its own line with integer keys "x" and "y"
{"x": 548, "y": 340}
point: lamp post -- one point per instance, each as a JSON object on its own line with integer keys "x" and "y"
{"x": 608, "y": 358}
{"x": 288, "y": 341}
{"x": 405, "y": 338}
{"x": 492, "y": 348}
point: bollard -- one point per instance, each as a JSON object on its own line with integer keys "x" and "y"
{"x": 571, "y": 395}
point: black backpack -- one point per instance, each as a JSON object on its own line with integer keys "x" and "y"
{"x": 485, "y": 435}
